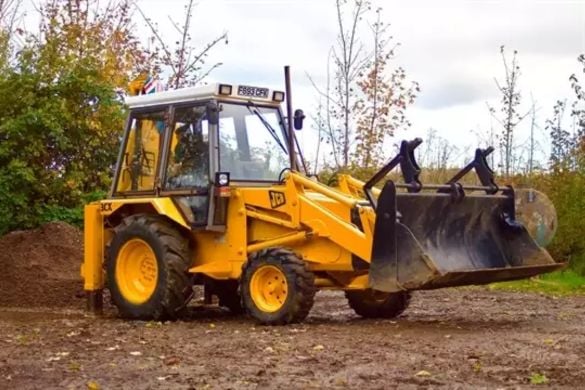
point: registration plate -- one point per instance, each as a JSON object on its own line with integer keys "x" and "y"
{"x": 244, "y": 90}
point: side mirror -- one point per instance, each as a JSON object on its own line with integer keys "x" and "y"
{"x": 298, "y": 119}
{"x": 212, "y": 113}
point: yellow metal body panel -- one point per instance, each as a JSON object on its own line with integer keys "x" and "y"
{"x": 349, "y": 185}
{"x": 163, "y": 206}
{"x": 310, "y": 218}
{"x": 93, "y": 248}
{"x": 221, "y": 254}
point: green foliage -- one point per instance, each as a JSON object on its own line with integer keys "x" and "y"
{"x": 73, "y": 216}
{"x": 60, "y": 117}
{"x": 58, "y": 138}
{"x": 565, "y": 282}
{"x": 565, "y": 189}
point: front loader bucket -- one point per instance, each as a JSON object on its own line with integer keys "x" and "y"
{"x": 433, "y": 240}
{"x": 451, "y": 235}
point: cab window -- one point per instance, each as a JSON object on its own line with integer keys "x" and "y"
{"x": 141, "y": 152}
{"x": 251, "y": 142}
{"x": 188, "y": 164}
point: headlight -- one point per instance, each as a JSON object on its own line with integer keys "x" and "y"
{"x": 222, "y": 179}
{"x": 278, "y": 96}
{"x": 225, "y": 89}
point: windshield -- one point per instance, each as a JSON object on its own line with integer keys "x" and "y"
{"x": 251, "y": 142}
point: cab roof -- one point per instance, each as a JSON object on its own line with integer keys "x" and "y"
{"x": 221, "y": 91}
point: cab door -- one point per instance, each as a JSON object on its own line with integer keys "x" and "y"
{"x": 186, "y": 174}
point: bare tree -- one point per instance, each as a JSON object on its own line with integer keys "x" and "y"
{"x": 185, "y": 61}
{"x": 437, "y": 152}
{"x": 562, "y": 143}
{"x": 9, "y": 13}
{"x": 349, "y": 59}
{"x": 320, "y": 125}
{"x": 364, "y": 98}
{"x": 9, "y": 16}
{"x": 534, "y": 147}
{"x": 385, "y": 95}
{"x": 578, "y": 105}
{"x": 325, "y": 123}
{"x": 510, "y": 101}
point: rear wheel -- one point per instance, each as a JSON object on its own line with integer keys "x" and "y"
{"x": 276, "y": 287}
{"x": 377, "y": 304}
{"x": 147, "y": 266}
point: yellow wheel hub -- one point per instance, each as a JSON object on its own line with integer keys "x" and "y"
{"x": 136, "y": 271}
{"x": 268, "y": 288}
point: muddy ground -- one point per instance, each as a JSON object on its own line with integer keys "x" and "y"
{"x": 464, "y": 338}
{"x": 457, "y": 338}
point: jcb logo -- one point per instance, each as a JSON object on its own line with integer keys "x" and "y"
{"x": 105, "y": 207}
{"x": 277, "y": 199}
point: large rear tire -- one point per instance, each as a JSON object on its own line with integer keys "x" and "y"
{"x": 276, "y": 287}
{"x": 377, "y": 304}
{"x": 147, "y": 264}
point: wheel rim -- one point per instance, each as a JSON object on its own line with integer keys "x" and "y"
{"x": 136, "y": 271}
{"x": 269, "y": 288}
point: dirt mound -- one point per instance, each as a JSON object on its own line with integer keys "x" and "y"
{"x": 40, "y": 267}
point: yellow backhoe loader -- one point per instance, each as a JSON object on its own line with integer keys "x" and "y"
{"x": 207, "y": 191}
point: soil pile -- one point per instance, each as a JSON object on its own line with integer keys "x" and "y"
{"x": 40, "y": 267}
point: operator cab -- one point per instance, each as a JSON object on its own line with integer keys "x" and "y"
{"x": 189, "y": 144}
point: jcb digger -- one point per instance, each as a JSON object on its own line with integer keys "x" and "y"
{"x": 207, "y": 192}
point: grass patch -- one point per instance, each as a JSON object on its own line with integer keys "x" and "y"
{"x": 566, "y": 282}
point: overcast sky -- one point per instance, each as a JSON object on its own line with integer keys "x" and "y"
{"x": 450, "y": 47}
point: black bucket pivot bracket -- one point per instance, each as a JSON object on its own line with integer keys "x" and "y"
{"x": 482, "y": 169}
{"x": 408, "y": 165}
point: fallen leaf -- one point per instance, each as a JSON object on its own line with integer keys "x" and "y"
{"x": 423, "y": 373}
{"x": 269, "y": 349}
{"x": 538, "y": 379}
{"x": 172, "y": 360}
{"x": 74, "y": 366}
{"x": 135, "y": 353}
{"x": 318, "y": 347}
{"x": 476, "y": 366}
{"x": 93, "y": 385}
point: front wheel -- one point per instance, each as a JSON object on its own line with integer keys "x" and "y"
{"x": 276, "y": 287}
{"x": 377, "y": 304}
{"x": 147, "y": 266}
